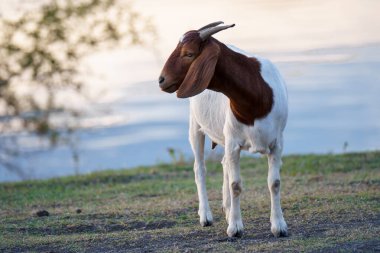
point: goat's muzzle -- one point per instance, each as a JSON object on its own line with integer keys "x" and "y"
{"x": 167, "y": 87}
{"x": 161, "y": 79}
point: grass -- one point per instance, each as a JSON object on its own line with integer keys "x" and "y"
{"x": 331, "y": 204}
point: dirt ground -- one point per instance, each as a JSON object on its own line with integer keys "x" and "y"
{"x": 207, "y": 239}
{"x": 331, "y": 204}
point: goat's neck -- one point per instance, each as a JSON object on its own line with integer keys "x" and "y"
{"x": 238, "y": 77}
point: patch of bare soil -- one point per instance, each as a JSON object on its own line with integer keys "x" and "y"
{"x": 367, "y": 246}
{"x": 158, "y": 236}
{"x": 208, "y": 240}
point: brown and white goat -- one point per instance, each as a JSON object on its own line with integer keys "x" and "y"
{"x": 238, "y": 100}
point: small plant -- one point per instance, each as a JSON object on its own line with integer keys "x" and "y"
{"x": 177, "y": 156}
{"x": 345, "y": 146}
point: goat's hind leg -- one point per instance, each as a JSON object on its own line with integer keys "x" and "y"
{"x": 197, "y": 141}
{"x": 278, "y": 224}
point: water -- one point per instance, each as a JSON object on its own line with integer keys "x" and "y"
{"x": 331, "y": 64}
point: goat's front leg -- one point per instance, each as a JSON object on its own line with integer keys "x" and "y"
{"x": 197, "y": 141}
{"x": 232, "y": 157}
{"x": 226, "y": 190}
{"x": 279, "y": 227}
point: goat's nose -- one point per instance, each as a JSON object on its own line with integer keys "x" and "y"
{"x": 161, "y": 79}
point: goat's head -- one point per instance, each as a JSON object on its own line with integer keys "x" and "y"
{"x": 191, "y": 65}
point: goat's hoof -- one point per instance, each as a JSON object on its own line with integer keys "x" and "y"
{"x": 235, "y": 230}
{"x": 206, "y": 223}
{"x": 238, "y": 234}
{"x": 205, "y": 220}
{"x": 281, "y": 233}
{"x": 281, "y": 230}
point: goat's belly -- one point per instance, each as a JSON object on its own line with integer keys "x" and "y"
{"x": 209, "y": 110}
{"x": 259, "y": 138}
{"x": 256, "y": 138}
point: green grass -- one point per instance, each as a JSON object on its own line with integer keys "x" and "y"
{"x": 331, "y": 203}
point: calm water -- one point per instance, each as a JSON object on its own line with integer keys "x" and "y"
{"x": 332, "y": 74}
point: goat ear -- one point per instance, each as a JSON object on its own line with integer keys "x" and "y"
{"x": 200, "y": 72}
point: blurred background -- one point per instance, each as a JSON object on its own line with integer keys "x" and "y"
{"x": 78, "y": 89}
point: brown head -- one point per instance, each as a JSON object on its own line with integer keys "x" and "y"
{"x": 191, "y": 65}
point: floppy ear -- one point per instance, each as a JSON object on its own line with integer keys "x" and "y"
{"x": 200, "y": 72}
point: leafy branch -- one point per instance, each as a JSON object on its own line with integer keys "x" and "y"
{"x": 39, "y": 57}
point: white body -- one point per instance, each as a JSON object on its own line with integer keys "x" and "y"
{"x": 211, "y": 115}
{"x": 211, "y": 110}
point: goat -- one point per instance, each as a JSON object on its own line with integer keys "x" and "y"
{"x": 240, "y": 101}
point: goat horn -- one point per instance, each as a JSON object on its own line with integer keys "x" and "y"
{"x": 210, "y": 25}
{"x": 204, "y": 34}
